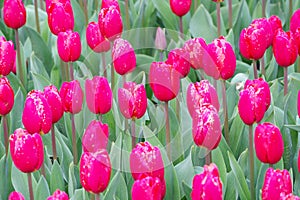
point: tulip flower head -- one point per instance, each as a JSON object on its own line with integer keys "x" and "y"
{"x": 110, "y": 3}
{"x": 132, "y": 100}
{"x": 96, "y": 41}
{"x": 275, "y": 23}
{"x": 180, "y": 7}
{"x": 7, "y": 96}
{"x": 27, "y": 150}
{"x": 69, "y": 46}
{"x": 179, "y": 59}
{"x": 207, "y": 185}
{"x": 54, "y": 100}
{"x": 290, "y": 197}
{"x": 295, "y": 21}
{"x": 7, "y": 56}
{"x": 148, "y": 188}
{"x": 16, "y": 196}
{"x": 14, "y": 13}
{"x": 196, "y": 49}
{"x": 58, "y": 195}
{"x": 160, "y": 39}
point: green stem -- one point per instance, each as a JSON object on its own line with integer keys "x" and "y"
{"x": 263, "y": 8}
{"x": 127, "y": 14}
{"x": 285, "y": 70}
{"x": 251, "y": 161}
{"x": 30, "y": 186}
{"x": 5, "y": 130}
{"x": 219, "y": 18}
{"x": 208, "y": 158}
{"x": 262, "y": 66}
{"x": 42, "y": 5}
{"x": 271, "y": 165}
{"x": 53, "y": 142}
{"x": 195, "y": 5}
{"x": 75, "y": 156}
{"x": 224, "y": 97}
{"x": 168, "y": 135}
{"x": 36, "y": 12}
{"x": 255, "y": 69}
{"x": 43, "y": 172}
{"x": 133, "y": 135}
{"x": 298, "y": 65}
{"x": 161, "y": 55}
{"x": 96, "y": 4}
{"x": 290, "y": 9}
{"x": 178, "y": 107}
{"x": 103, "y": 65}
{"x": 230, "y": 13}
{"x": 97, "y": 196}
{"x": 86, "y": 18}
{"x": 19, "y": 66}
{"x": 181, "y": 27}
{"x": 71, "y": 71}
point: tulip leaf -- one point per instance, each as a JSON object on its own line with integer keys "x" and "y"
{"x": 5, "y": 174}
{"x": 39, "y": 81}
{"x": 56, "y": 178}
{"x": 229, "y": 192}
{"x": 80, "y": 194}
{"x": 78, "y": 12}
{"x": 187, "y": 190}
{"x": 117, "y": 188}
{"x": 42, "y": 189}
{"x": 17, "y": 110}
{"x": 260, "y": 179}
{"x": 73, "y": 182}
{"x": 218, "y": 159}
{"x": 167, "y": 16}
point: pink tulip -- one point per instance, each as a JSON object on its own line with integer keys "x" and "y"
{"x": 160, "y": 39}
{"x": 196, "y": 48}
{"x": 180, "y": 7}
{"x": 277, "y": 183}
{"x": 179, "y": 58}
{"x": 27, "y": 150}
{"x": 14, "y": 13}
{"x": 7, "y": 56}
{"x": 69, "y": 46}
{"x": 132, "y": 100}
{"x": 148, "y": 188}
{"x": 268, "y": 143}
{"x": 95, "y": 137}
{"x": 54, "y": 100}
{"x": 16, "y": 196}
{"x": 58, "y": 195}
{"x": 201, "y": 93}
{"x": 263, "y": 23}
{"x": 99, "y": 96}
{"x": 96, "y": 41}
{"x": 254, "y": 101}
{"x": 275, "y": 24}
{"x": 290, "y": 197}
{"x": 207, "y": 185}
{"x": 37, "y": 114}
{"x": 95, "y": 170}
{"x": 72, "y": 96}
{"x": 164, "y": 81}
{"x": 7, "y": 96}
{"x": 123, "y": 56}
{"x": 295, "y": 21}
{"x": 110, "y": 3}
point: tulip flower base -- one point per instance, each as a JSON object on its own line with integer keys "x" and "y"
{"x": 62, "y": 106}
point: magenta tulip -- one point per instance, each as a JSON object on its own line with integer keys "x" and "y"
{"x": 72, "y": 96}
{"x": 290, "y": 197}
{"x": 275, "y": 24}
{"x": 14, "y": 13}
{"x": 110, "y": 3}
{"x": 16, "y": 196}
{"x": 295, "y": 21}
{"x": 196, "y": 49}
{"x": 7, "y": 56}
{"x": 148, "y": 188}
{"x": 50, "y": 2}
{"x": 96, "y": 41}
{"x": 179, "y": 59}
{"x": 180, "y": 7}
{"x": 7, "y": 96}
{"x": 58, "y": 195}
{"x": 160, "y": 39}
{"x": 69, "y": 46}
{"x": 54, "y": 100}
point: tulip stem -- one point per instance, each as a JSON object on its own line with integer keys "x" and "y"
{"x": 42, "y": 5}
{"x": 208, "y": 158}
{"x": 133, "y": 136}
{"x": 262, "y": 66}
{"x": 230, "y": 14}
{"x": 36, "y": 12}
{"x": 285, "y": 70}
{"x": 161, "y": 55}
{"x": 5, "y": 129}
{"x": 255, "y": 69}
{"x": 85, "y": 12}
{"x": 263, "y": 8}
{"x": 103, "y": 65}
{"x": 219, "y": 18}
{"x": 96, "y": 5}
{"x": 19, "y": 66}
{"x": 30, "y": 186}
{"x": 298, "y": 65}
{"x": 178, "y": 107}
{"x": 168, "y": 145}
{"x": 53, "y": 142}
{"x": 127, "y": 14}
{"x": 195, "y": 5}
{"x": 74, "y": 140}
{"x": 71, "y": 71}
{"x": 271, "y": 165}
{"x": 251, "y": 161}
{"x": 181, "y": 27}
{"x": 225, "y": 112}
{"x": 290, "y": 9}
{"x": 97, "y": 196}
{"x": 43, "y": 170}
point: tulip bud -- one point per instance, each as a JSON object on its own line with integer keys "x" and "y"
{"x": 268, "y": 143}
{"x": 263, "y": 23}
{"x": 37, "y": 114}
{"x": 14, "y": 13}
{"x": 160, "y": 39}
{"x": 206, "y": 127}
{"x": 221, "y": 52}
{"x": 110, "y": 3}
{"x": 95, "y": 137}
{"x": 164, "y": 81}
{"x": 16, "y": 196}
{"x": 196, "y": 48}
{"x": 285, "y": 40}
{"x": 277, "y": 183}
{"x": 295, "y": 21}
{"x": 54, "y": 100}
{"x": 148, "y": 188}
{"x": 58, "y": 195}
{"x": 180, "y": 7}
{"x": 207, "y": 185}
{"x": 146, "y": 160}
{"x": 7, "y": 56}
{"x": 110, "y": 23}
{"x": 69, "y": 46}
{"x": 95, "y": 170}
{"x": 254, "y": 101}
{"x": 123, "y": 56}
{"x": 27, "y": 151}
{"x": 7, "y": 96}
{"x": 60, "y": 17}
{"x": 275, "y": 24}
{"x": 96, "y": 41}
{"x": 201, "y": 93}
{"x": 290, "y": 197}
{"x": 99, "y": 96}
{"x": 72, "y": 96}
{"x": 132, "y": 100}
{"x": 50, "y": 2}
{"x": 179, "y": 59}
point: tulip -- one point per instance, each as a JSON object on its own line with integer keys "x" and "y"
{"x": 179, "y": 59}
{"x": 201, "y": 93}
{"x": 148, "y": 188}
{"x": 60, "y": 17}
{"x": 277, "y": 183}
{"x": 263, "y": 23}
{"x": 95, "y": 39}
{"x": 95, "y": 137}
{"x": 217, "y": 0}
{"x": 196, "y": 48}
{"x": 72, "y": 96}
{"x": 268, "y": 143}
{"x": 7, "y": 96}
{"x": 290, "y": 197}
{"x": 58, "y": 195}
{"x": 50, "y": 2}
{"x": 110, "y": 3}
{"x": 110, "y": 23}
{"x": 206, "y": 127}
{"x": 254, "y": 101}
{"x": 14, "y": 13}
{"x": 160, "y": 39}
{"x": 95, "y": 170}
{"x": 99, "y": 96}
{"x": 180, "y": 7}
{"x": 16, "y": 196}
{"x": 295, "y": 20}
{"x": 164, "y": 81}
{"x": 54, "y": 100}
{"x": 132, "y": 100}
{"x": 69, "y": 46}
{"x": 7, "y": 56}
{"x": 37, "y": 114}
{"x": 146, "y": 160}
{"x": 123, "y": 56}
{"x": 207, "y": 185}
{"x": 275, "y": 23}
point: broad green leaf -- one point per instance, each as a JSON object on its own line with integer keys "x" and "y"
{"x": 56, "y": 178}
{"x": 218, "y": 159}
{"x": 187, "y": 190}
{"x": 42, "y": 189}
{"x": 16, "y": 113}
{"x": 237, "y": 135}
{"x": 260, "y": 179}
{"x": 80, "y": 194}
{"x": 230, "y": 189}
{"x": 117, "y": 188}
{"x": 166, "y": 14}
{"x": 5, "y": 173}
